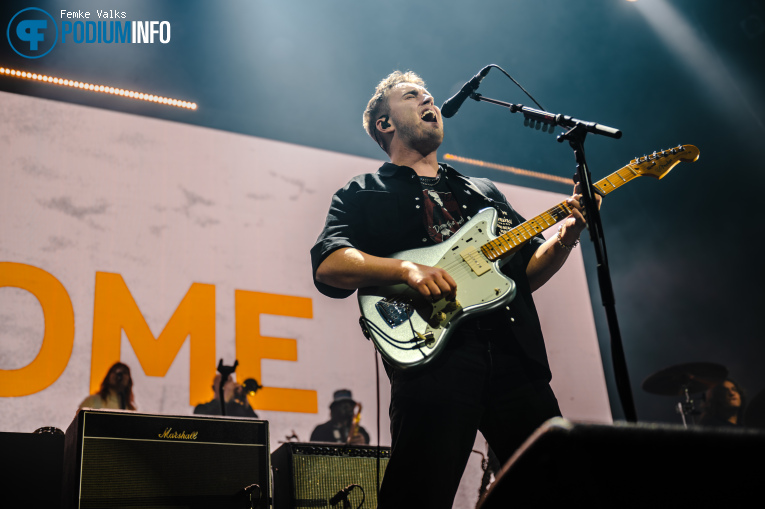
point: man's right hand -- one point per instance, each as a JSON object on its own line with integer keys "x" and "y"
{"x": 350, "y": 269}
{"x": 433, "y": 283}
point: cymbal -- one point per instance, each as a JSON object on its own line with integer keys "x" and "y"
{"x": 695, "y": 376}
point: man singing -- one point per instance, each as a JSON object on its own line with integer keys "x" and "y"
{"x": 493, "y": 374}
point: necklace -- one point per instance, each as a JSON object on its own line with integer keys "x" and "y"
{"x": 430, "y": 181}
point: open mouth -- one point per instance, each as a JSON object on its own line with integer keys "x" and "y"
{"x": 429, "y": 116}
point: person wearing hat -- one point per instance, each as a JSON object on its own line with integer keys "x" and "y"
{"x": 339, "y": 425}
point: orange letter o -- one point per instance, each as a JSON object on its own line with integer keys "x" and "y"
{"x": 58, "y": 340}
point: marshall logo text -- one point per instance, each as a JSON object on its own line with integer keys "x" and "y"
{"x": 178, "y": 435}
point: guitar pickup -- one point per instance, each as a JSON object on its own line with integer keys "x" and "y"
{"x": 475, "y": 260}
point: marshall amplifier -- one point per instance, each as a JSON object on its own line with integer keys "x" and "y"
{"x": 311, "y": 474}
{"x": 124, "y": 459}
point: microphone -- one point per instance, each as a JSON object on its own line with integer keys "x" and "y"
{"x": 341, "y": 495}
{"x": 451, "y": 105}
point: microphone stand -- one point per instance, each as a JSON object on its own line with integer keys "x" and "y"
{"x": 575, "y": 136}
{"x": 225, "y": 372}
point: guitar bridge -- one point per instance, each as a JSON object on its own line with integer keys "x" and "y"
{"x": 393, "y": 312}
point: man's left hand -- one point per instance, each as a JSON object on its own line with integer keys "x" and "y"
{"x": 573, "y": 225}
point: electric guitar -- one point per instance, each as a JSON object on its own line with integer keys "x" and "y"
{"x": 409, "y": 331}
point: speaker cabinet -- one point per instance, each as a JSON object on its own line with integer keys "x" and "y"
{"x": 310, "y": 474}
{"x": 31, "y": 470}
{"x": 125, "y": 459}
{"x": 632, "y": 465}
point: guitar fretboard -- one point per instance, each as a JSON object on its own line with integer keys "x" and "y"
{"x": 511, "y": 241}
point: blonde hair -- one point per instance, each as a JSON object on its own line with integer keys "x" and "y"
{"x": 378, "y": 104}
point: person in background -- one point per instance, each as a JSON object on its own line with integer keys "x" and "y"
{"x": 725, "y": 405}
{"x": 235, "y": 397}
{"x": 116, "y": 390}
{"x": 340, "y": 423}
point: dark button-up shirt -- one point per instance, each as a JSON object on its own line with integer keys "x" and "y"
{"x": 382, "y": 213}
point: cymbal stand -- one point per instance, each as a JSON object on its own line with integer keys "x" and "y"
{"x": 685, "y": 407}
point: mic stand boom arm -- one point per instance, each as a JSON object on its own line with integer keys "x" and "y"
{"x": 578, "y": 130}
{"x": 546, "y": 118}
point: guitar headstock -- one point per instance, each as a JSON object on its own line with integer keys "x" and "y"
{"x": 658, "y": 164}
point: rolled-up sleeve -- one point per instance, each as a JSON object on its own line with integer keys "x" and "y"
{"x": 343, "y": 219}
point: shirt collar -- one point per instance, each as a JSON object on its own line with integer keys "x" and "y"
{"x": 391, "y": 170}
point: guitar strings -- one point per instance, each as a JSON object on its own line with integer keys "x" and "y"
{"x": 498, "y": 247}
{"x": 515, "y": 238}
{"x": 506, "y": 244}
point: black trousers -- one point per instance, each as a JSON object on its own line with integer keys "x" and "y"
{"x": 480, "y": 381}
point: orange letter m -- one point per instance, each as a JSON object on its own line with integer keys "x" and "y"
{"x": 115, "y": 310}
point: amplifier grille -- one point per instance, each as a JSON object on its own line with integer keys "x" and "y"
{"x": 114, "y": 470}
{"x": 120, "y": 471}
{"x": 311, "y": 479}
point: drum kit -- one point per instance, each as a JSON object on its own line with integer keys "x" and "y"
{"x": 682, "y": 380}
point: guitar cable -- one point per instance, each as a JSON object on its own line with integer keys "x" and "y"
{"x": 396, "y": 342}
{"x": 519, "y": 86}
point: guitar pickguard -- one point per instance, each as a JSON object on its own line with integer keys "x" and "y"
{"x": 406, "y": 329}
{"x": 409, "y": 332}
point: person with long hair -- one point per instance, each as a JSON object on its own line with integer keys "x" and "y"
{"x": 724, "y": 406}
{"x": 116, "y": 390}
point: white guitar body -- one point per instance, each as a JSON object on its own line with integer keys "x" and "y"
{"x": 407, "y": 330}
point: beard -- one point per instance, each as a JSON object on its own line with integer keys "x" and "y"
{"x": 424, "y": 140}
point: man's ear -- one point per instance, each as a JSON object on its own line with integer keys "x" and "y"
{"x": 382, "y": 123}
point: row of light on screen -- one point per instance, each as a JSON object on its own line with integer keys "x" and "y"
{"x": 131, "y": 94}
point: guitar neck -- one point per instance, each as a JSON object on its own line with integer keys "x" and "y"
{"x": 513, "y": 240}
